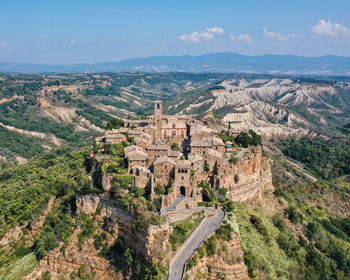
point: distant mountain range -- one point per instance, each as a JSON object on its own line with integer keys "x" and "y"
{"x": 216, "y": 62}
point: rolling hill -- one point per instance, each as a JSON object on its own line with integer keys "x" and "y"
{"x": 216, "y": 62}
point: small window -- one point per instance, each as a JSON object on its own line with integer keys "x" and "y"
{"x": 182, "y": 177}
{"x": 174, "y": 125}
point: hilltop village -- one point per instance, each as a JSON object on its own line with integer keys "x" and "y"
{"x": 182, "y": 152}
{"x": 159, "y": 193}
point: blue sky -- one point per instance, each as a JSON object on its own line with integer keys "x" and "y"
{"x": 86, "y": 31}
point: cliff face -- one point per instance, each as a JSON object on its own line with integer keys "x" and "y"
{"x": 227, "y": 263}
{"x": 249, "y": 177}
{"x": 150, "y": 243}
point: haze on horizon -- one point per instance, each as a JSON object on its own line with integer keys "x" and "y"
{"x": 68, "y": 32}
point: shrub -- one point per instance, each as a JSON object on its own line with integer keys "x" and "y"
{"x": 224, "y": 232}
{"x": 159, "y": 189}
{"x": 294, "y": 215}
{"x": 98, "y": 242}
{"x": 129, "y": 255}
{"x": 210, "y": 245}
{"x": 311, "y": 230}
{"x": 257, "y": 222}
{"x": 115, "y": 123}
{"x": 229, "y": 206}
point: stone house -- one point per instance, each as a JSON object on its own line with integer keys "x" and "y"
{"x": 201, "y": 147}
{"x": 163, "y": 170}
{"x": 196, "y": 162}
{"x": 130, "y": 149}
{"x": 200, "y": 132}
{"x": 137, "y": 158}
{"x": 163, "y": 166}
{"x": 113, "y": 136}
{"x": 213, "y": 157}
{"x": 156, "y": 151}
{"x": 218, "y": 144}
{"x": 143, "y": 141}
{"x": 152, "y": 131}
{"x": 141, "y": 176}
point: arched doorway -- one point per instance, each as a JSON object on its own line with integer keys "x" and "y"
{"x": 183, "y": 191}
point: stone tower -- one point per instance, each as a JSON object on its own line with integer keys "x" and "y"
{"x": 158, "y": 108}
{"x": 158, "y": 116}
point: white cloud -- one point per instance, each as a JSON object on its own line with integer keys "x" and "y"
{"x": 101, "y": 41}
{"x": 215, "y": 29}
{"x": 73, "y": 42}
{"x": 328, "y": 28}
{"x": 242, "y": 37}
{"x": 279, "y": 36}
{"x": 198, "y": 36}
{"x": 3, "y": 44}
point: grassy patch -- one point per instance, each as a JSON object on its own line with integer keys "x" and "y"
{"x": 183, "y": 230}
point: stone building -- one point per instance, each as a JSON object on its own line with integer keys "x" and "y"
{"x": 201, "y": 147}
{"x": 114, "y": 137}
{"x": 173, "y": 128}
{"x": 213, "y": 157}
{"x": 200, "y": 132}
{"x": 156, "y": 151}
{"x": 132, "y": 148}
{"x": 163, "y": 170}
{"x": 142, "y": 176}
{"x": 143, "y": 141}
{"x": 196, "y": 162}
{"x": 137, "y": 158}
{"x": 182, "y": 182}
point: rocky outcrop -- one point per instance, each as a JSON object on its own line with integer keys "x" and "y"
{"x": 249, "y": 177}
{"x": 149, "y": 243}
{"x": 226, "y": 264}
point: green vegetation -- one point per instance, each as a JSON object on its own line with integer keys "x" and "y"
{"x": 25, "y": 192}
{"x": 115, "y": 123}
{"x": 183, "y": 230}
{"x": 243, "y": 139}
{"x": 326, "y": 159}
{"x": 175, "y": 147}
{"x": 14, "y": 142}
{"x": 275, "y": 250}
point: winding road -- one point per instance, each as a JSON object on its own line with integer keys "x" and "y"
{"x": 206, "y": 228}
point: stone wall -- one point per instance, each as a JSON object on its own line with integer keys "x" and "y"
{"x": 226, "y": 264}
{"x": 253, "y": 173}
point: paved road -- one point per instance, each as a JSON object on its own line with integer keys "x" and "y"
{"x": 176, "y": 202}
{"x": 207, "y": 227}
